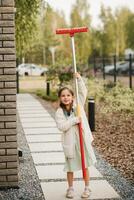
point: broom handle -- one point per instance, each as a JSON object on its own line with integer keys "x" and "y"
{"x": 78, "y": 112}
{"x": 75, "y": 70}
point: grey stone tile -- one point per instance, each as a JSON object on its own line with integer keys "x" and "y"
{"x": 39, "y": 147}
{"x": 43, "y": 138}
{"x": 56, "y": 172}
{"x": 39, "y": 125}
{"x": 57, "y": 190}
{"x": 41, "y": 131}
{"x": 45, "y": 158}
{"x": 39, "y": 119}
{"x": 39, "y": 111}
{"x": 35, "y": 115}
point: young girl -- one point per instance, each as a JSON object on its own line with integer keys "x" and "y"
{"x": 67, "y": 122}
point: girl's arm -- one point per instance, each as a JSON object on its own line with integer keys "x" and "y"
{"x": 81, "y": 89}
{"x": 65, "y": 124}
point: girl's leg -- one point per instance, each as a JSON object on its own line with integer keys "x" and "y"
{"x": 70, "y": 191}
{"x": 70, "y": 179}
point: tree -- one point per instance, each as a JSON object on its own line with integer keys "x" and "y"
{"x": 25, "y": 20}
{"x": 80, "y": 17}
{"x": 108, "y": 33}
{"x": 113, "y": 32}
{"x": 122, "y": 18}
{"x": 130, "y": 31}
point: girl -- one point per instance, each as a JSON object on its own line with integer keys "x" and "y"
{"x": 67, "y": 122}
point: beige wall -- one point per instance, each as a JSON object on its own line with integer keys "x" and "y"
{"x": 8, "y": 134}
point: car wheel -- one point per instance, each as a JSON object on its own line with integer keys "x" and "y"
{"x": 26, "y": 74}
{"x": 119, "y": 72}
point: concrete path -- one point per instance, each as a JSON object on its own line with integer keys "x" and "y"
{"x": 43, "y": 139}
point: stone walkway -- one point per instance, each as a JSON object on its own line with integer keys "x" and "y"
{"x": 43, "y": 139}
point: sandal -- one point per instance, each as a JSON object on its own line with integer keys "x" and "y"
{"x": 86, "y": 193}
{"x": 70, "y": 193}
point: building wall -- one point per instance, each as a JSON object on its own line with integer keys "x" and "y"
{"x": 8, "y": 133}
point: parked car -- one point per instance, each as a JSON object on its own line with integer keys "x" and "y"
{"x": 31, "y": 70}
{"x": 121, "y": 68}
{"x": 108, "y": 68}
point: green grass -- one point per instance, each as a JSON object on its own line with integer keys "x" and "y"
{"x": 42, "y": 93}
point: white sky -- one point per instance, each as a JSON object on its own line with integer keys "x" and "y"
{"x": 66, "y": 5}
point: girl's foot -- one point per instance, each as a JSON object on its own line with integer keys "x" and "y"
{"x": 70, "y": 193}
{"x": 86, "y": 193}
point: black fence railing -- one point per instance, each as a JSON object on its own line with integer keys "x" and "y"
{"x": 114, "y": 66}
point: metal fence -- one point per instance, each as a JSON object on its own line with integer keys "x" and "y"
{"x": 114, "y": 68}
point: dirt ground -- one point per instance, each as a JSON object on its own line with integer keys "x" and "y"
{"x": 32, "y": 82}
{"x": 122, "y": 79}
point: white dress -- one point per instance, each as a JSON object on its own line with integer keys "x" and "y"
{"x": 69, "y": 127}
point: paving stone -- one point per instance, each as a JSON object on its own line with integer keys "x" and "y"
{"x": 41, "y": 131}
{"x": 21, "y": 109}
{"x": 43, "y": 138}
{"x": 35, "y": 115}
{"x": 28, "y": 105}
{"x": 39, "y": 147}
{"x": 57, "y": 190}
{"x": 25, "y": 107}
{"x": 33, "y": 112}
{"x": 39, "y": 119}
{"x": 46, "y": 158}
{"x": 56, "y": 172}
{"x": 39, "y": 125}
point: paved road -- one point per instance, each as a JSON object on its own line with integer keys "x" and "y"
{"x": 43, "y": 139}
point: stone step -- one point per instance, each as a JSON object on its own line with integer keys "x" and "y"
{"x": 100, "y": 190}
{"x": 43, "y": 138}
{"x": 51, "y": 146}
{"x": 41, "y": 131}
{"x": 56, "y": 172}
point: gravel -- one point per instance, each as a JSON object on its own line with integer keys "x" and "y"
{"x": 121, "y": 185}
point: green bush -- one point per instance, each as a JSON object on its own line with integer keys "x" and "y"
{"x": 109, "y": 97}
{"x": 113, "y": 98}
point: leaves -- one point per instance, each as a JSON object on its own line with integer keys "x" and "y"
{"x": 111, "y": 37}
{"x": 116, "y": 98}
{"x": 35, "y": 33}
{"x": 26, "y": 12}
{"x": 80, "y": 17}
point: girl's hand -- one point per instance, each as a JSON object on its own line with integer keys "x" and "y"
{"x": 78, "y": 120}
{"x": 77, "y": 75}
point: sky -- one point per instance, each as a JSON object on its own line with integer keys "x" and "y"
{"x": 66, "y": 5}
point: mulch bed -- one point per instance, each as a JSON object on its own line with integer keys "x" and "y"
{"x": 114, "y": 140}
